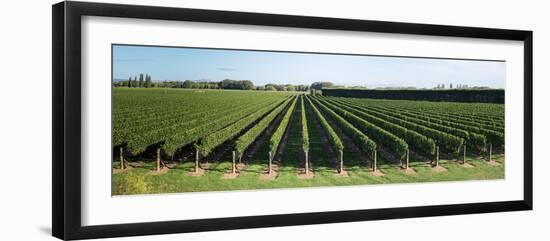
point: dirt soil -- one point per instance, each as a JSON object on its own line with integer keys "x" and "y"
{"x": 199, "y": 173}
{"x": 466, "y": 165}
{"x": 408, "y": 170}
{"x": 343, "y": 173}
{"x": 162, "y": 171}
{"x": 439, "y": 169}
{"x": 274, "y": 167}
{"x": 302, "y": 174}
{"x": 240, "y": 166}
{"x": 376, "y": 173}
{"x": 205, "y": 165}
{"x": 118, "y": 170}
{"x": 493, "y": 163}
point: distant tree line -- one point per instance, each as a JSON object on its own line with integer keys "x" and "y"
{"x": 189, "y": 84}
{"x": 146, "y": 82}
{"x": 287, "y": 87}
{"x": 236, "y": 84}
{"x": 241, "y": 85}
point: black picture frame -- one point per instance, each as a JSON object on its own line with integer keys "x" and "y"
{"x": 66, "y": 75}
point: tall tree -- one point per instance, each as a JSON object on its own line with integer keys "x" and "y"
{"x": 290, "y": 87}
{"x": 270, "y": 87}
{"x": 148, "y": 82}
{"x": 140, "y": 80}
{"x": 247, "y": 85}
{"x": 188, "y": 84}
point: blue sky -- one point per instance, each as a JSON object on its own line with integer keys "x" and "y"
{"x": 168, "y": 63}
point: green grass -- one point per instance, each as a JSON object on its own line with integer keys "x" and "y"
{"x": 138, "y": 181}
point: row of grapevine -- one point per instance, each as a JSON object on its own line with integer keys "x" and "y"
{"x": 416, "y": 140}
{"x": 496, "y": 138}
{"x": 183, "y": 136}
{"x": 491, "y": 114}
{"x": 275, "y": 139}
{"x": 305, "y": 135}
{"x": 305, "y": 131}
{"x": 478, "y": 136}
{"x": 172, "y": 121}
{"x": 215, "y": 139}
{"x": 448, "y": 142}
{"x": 163, "y": 110}
{"x": 138, "y": 136}
{"x": 332, "y": 136}
{"x": 473, "y": 140}
{"x": 244, "y": 141}
{"x": 467, "y": 114}
{"x": 482, "y": 120}
{"x": 396, "y": 145}
{"x": 359, "y": 138}
{"x": 178, "y": 119}
{"x": 444, "y": 117}
{"x": 180, "y": 133}
{"x": 137, "y": 123}
{"x": 472, "y": 114}
{"x": 127, "y": 127}
{"x": 149, "y": 109}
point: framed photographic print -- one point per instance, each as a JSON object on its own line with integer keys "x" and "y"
{"x": 170, "y": 120}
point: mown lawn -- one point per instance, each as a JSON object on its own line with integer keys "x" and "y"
{"x": 138, "y": 181}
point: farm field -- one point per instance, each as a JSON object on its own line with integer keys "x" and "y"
{"x": 190, "y": 140}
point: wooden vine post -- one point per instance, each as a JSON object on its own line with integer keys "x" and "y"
{"x": 341, "y": 161}
{"x": 269, "y": 165}
{"x": 407, "y": 160}
{"x": 158, "y": 159}
{"x": 437, "y": 156}
{"x": 490, "y": 151}
{"x": 233, "y": 165}
{"x": 196, "y": 160}
{"x": 121, "y": 158}
{"x": 464, "y": 155}
{"x": 374, "y": 163}
{"x": 307, "y": 162}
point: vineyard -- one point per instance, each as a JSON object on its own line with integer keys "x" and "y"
{"x": 181, "y": 140}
